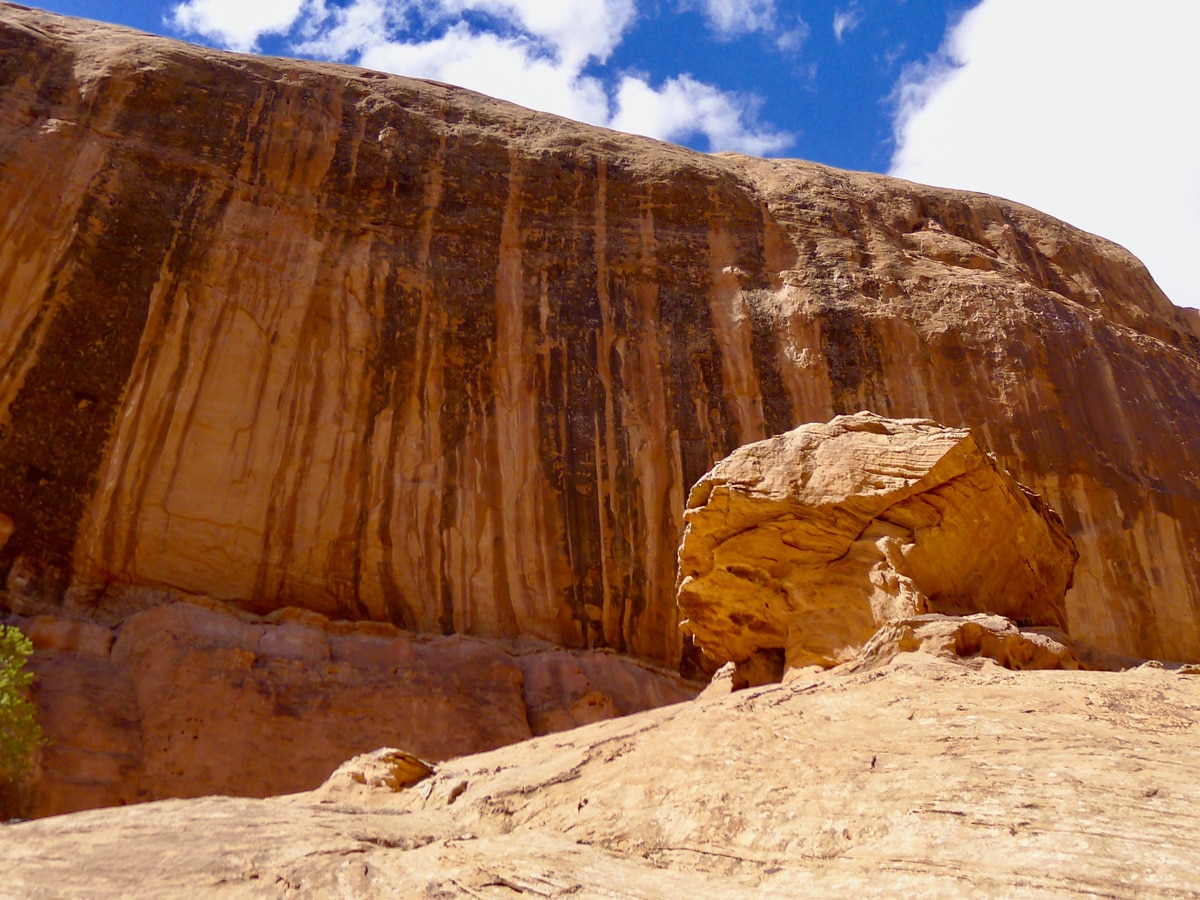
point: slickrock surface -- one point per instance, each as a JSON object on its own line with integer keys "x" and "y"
{"x": 922, "y": 778}
{"x": 193, "y": 699}
{"x": 808, "y": 542}
{"x": 291, "y": 334}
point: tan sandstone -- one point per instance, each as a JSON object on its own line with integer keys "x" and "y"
{"x": 922, "y": 777}
{"x": 810, "y": 541}
{"x": 292, "y": 334}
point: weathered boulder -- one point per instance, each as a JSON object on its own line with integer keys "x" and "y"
{"x": 293, "y": 334}
{"x": 978, "y": 637}
{"x": 372, "y": 776}
{"x": 810, "y": 541}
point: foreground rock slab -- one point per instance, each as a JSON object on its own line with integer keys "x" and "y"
{"x": 809, "y": 541}
{"x": 922, "y": 777}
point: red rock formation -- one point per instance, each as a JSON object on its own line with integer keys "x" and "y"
{"x": 286, "y": 333}
{"x": 193, "y": 699}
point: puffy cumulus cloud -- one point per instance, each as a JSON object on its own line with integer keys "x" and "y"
{"x": 1086, "y": 111}
{"x": 236, "y": 24}
{"x": 731, "y": 19}
{"x": 511, "y": 68}
{"x": 578, "y": 30}
{"x": 684, "y": 107}
{"x": 537, "y": 53}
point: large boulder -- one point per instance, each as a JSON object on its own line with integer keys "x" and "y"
{"x": 808, "y": 542}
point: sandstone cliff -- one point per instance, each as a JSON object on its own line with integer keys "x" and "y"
{"x": 290, "y": 334}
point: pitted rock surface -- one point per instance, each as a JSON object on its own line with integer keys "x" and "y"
{"x": 810, "y": 541}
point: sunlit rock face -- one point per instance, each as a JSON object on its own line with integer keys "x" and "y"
{"x": 809, "y": 542}
{"x": 292, "y": 334}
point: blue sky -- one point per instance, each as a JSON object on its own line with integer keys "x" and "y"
{"x": 1087, "y": 109}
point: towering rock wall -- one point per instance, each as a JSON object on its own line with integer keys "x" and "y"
{"x": 285, "y": 333}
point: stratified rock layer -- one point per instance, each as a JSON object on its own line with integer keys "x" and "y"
{"x": 285, "y": 333}
{"x": 809, "y": 541}
{"x": 192, "y": 698}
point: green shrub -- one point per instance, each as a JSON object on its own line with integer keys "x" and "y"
{"x": 20, "y": 733}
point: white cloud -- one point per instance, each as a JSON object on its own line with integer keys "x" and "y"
{"x": 729, "y": 18}
{"x": 684, "y": 107}
{"x": 846, "y": 20}
{"x": 577, "y": 29}
{"x": 790, "y": 40}
{"x": 511, "y": 68}
{"x": 236, "y": 24}
{"x": 1084, "y": 110}
{"x": 538, "y": 56}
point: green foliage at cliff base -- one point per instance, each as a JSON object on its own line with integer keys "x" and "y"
{"x": 20, "y": 733}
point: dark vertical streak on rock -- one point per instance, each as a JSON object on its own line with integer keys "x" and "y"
{"x": 404, "y": 353}
{"x": 58, "y": 426}
{"x": 852, "y": 351}
{"x": 49, "y": 308}
{"x": 507, "y": 248}
{"x": 765, "y": 325}
{"x": 340, "y": 184}
{"x": 620, "y": 558}
{"x": 193, "y": 238}
{"x": 764, "y": 347}
{"x": 630, "y": 264}
{"x": 23, "y": 56}
{"x": 695, "y": 380}
{"x": 562, "y": 243}
{"x": 307, "y": 383}
{"x": 325, "y": 319}
{"x": 463, "y": 277}
{"x": 551, "y": 434}
{"x": 392, "y": 379}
